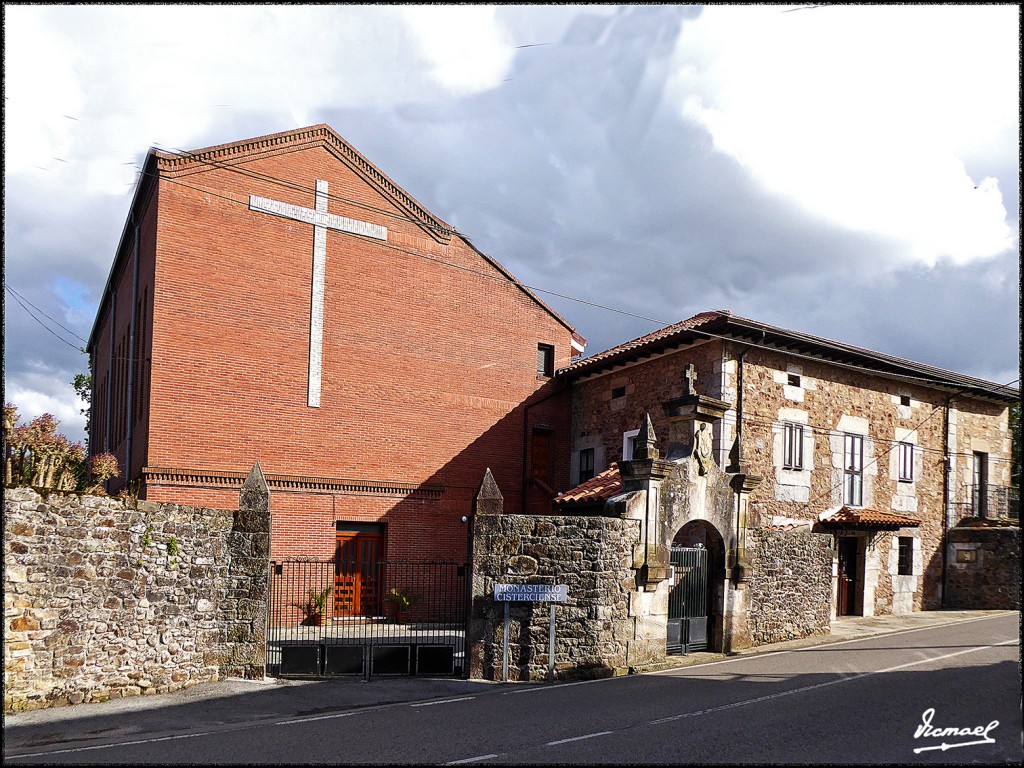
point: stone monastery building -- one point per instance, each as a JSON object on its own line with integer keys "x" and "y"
{"x": 885, "y": 454}
{"x": 281, "y": 300}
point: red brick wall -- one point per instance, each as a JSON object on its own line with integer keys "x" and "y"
{"x": 127, "y": 360}
{"x": 426, "y": 366}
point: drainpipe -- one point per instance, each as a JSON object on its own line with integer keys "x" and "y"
{"x": 131, "y": 357}
{"x": 110, "y": 381}
{"x": 526, "y": 432}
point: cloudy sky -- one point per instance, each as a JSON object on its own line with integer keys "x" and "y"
{"x": 850, "y": 172}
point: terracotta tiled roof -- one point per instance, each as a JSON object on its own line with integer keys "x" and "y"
{"x": 870, "y": 518}
{"x": 724, "y": 324}
{"x": 599, "y": 488}
{"x": 643, "y": 341}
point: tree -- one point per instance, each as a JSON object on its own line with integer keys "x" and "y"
{"x": 82, "y": 384}
{"x": 34, "y": 454}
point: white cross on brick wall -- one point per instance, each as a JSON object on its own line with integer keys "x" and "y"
{"x": 321, "y": 221}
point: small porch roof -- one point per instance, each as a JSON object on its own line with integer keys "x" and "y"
{"x": 854, "y": 517}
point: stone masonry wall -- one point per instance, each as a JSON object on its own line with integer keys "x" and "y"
{"x": 983, "y": 571}
{"x": 592, "y": 555}
{"x": 105, "y": 598}
{"x": 790, "y": 585}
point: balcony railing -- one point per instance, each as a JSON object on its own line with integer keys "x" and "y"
{"x": 993, "y": 502}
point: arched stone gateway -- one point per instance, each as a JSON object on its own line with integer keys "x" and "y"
{"x": 686, "y": 499}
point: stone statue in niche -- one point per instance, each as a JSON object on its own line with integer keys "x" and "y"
{"x": 702, "y": 448}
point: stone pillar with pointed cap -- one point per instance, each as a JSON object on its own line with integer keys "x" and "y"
{"x": 645, "y": 472}
{"x": 250, "y": 564}
{"x": 489, "y": 500}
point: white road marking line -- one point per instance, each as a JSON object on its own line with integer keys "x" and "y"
{"x": 107, "y": 746}
{"x": 749, "y": 656}
{"x": 578, "y": 738}
{"x": 839, "y": 681}
{"x": 442, "y": 701}
{"x": 314, "y": 719}
{"x": 471, "y": 760}
{"x": 822, "y": 646}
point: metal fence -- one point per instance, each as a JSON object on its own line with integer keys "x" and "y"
{"x": 994, "y": 502}
{"x": 348, "y": 617}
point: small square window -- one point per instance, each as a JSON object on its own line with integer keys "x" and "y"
{"x": 905, "y": 567}
{"x": 794, "y": 379}
{"x": 545, "y": 360}
{"x": 904, "y": 399}
{"x": 618, "y": 392}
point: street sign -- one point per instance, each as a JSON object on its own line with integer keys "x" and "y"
{"x": 531, "y": 593}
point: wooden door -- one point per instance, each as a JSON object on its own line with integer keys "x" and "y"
{"x": 847, "y": 605}
{"x": 357, "y": 574}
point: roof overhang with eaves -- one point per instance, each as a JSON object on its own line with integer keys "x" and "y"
{"x": 729, "y": 327}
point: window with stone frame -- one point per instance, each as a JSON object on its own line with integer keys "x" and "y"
{"x": 905, "y": 561}
{"x": 979, "y": 491}
{"x": 853, "y": 470}
{"x": 793, "y": 445}
{"x": 586, "y": 465}
{"x": 906, "y": 462}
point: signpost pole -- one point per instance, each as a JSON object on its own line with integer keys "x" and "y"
{"x": 551, "y": 646}
{"x": 504, "y": 655}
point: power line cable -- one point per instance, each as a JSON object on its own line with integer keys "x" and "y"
{"x": 50, "y": 330}
{"x": 10, "y": 288}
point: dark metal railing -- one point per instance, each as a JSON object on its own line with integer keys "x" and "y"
{"x": 994, "y": 502}
{"x": 370, "y": 617}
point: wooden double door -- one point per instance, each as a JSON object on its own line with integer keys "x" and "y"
{"x": 357, "y": 573}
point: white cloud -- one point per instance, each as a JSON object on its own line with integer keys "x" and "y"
{"x": 32, "y": 402}
{"x": 96, "y": 86}
{"x": 467, "y": 50}
{"x": 862, "y": 114}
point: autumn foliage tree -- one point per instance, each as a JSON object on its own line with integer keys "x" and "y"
{"x": 35, "y": 454}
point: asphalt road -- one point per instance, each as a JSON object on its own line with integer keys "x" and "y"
{"x": 859, "y": 701}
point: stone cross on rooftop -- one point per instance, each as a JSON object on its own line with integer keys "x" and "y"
{"x": 321, "y": 221}
{"x": 690, "y": 374}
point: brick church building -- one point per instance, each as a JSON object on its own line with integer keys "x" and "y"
{"x": 280, "y": 300}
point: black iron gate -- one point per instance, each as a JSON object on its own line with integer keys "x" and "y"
{"x": 409, "y": 618}
{"x": 688, "y": 601}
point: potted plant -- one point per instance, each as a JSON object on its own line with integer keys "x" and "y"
{"x": 402, "y": 600}
{"x": 315, "y": 608}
